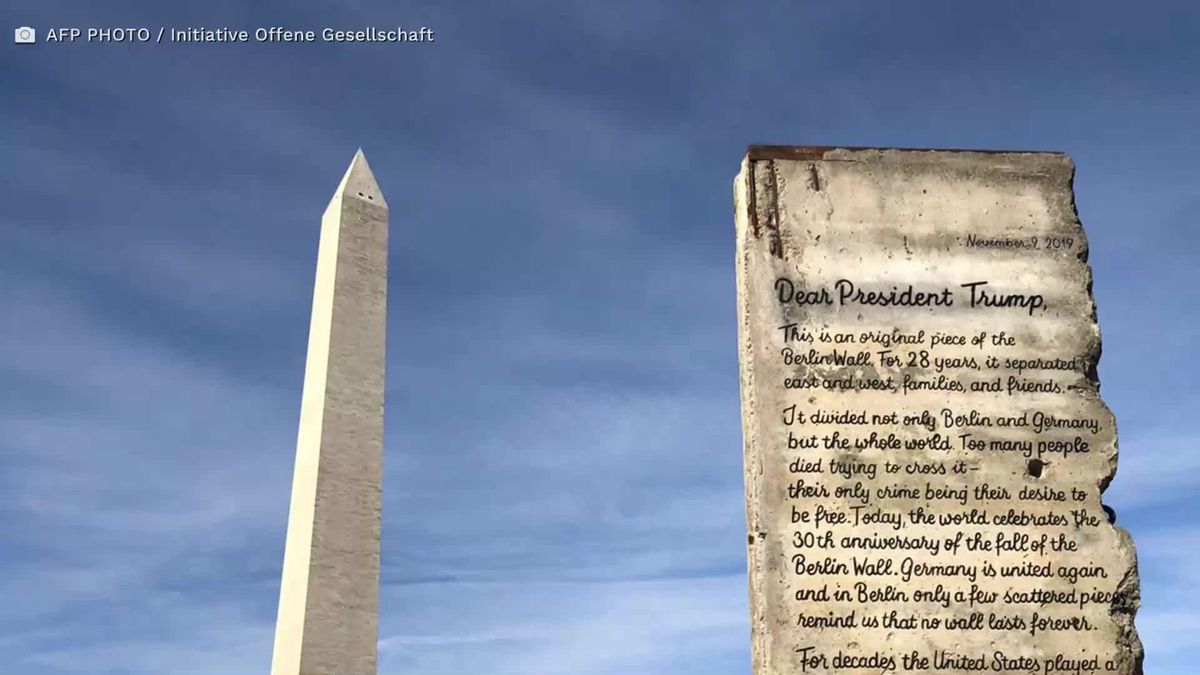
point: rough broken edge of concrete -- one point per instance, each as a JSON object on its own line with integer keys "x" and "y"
{"x": 1127, "y": 598}
{"x": 745, "y": 211}
{"x": 757, "y": 218}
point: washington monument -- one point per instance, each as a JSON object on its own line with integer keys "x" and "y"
{"x": 328, "y": 620}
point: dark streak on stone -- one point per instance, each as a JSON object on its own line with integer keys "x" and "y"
{"x": 770, "y": 205}
{"x": 775, "y": 237}
{"x": 752, "y": 198}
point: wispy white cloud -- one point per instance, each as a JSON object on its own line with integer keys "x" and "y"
{"x": 142, "y": 472}
{"x": 201, "y": 638}
{"x": 584, "y": 628}
{"x": 1168, "y": 622}
{"x": 1154, "y": 468}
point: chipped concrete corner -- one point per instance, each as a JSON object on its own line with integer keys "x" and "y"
{"x": 925, "y": 444}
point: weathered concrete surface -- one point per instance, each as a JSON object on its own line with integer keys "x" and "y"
{"x": 329, "y": 597}
{"x": 924, "y": 466}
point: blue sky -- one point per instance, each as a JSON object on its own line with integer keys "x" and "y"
{"x": 563, "y": 488}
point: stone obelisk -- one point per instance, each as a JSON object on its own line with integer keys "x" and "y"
{"x": 328, "y": 619}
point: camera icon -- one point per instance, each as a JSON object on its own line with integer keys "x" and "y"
{"x": 25, "y": 35}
